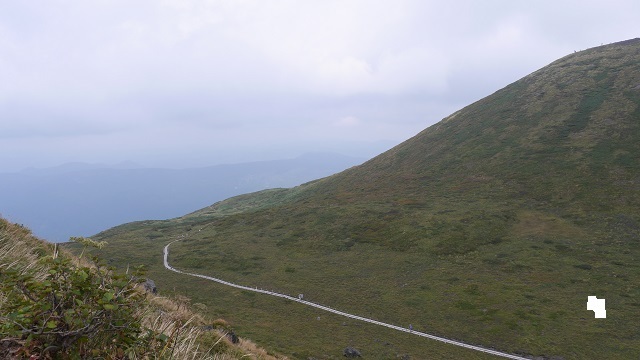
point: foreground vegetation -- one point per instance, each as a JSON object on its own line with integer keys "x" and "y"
{"x": 57, "y": 306}
{"x": 492, "y": 227}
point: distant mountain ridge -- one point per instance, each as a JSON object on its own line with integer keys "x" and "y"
{"x": 77, "y": 166}
{"x": 81, "y": 199}
{"x": 492, "y": 226}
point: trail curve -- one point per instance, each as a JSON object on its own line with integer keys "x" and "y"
{"x": 338, "y": 312}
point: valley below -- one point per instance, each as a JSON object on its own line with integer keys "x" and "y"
{"x": 491, "y": 227}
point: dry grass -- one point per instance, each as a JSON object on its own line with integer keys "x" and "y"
{"x": 192, "y": 341}
{"x": 19, "y": 250}
{"x": 545, "y": 225}
{"x": 187, "y": 338}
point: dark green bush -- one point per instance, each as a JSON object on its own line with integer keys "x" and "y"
{"x": 73, "y": 312}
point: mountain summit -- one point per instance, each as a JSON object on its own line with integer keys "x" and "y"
{"x": 492, "y": 226}
{"x": 566, "y": 133}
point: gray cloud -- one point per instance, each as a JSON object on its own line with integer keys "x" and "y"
{"x": 185, "y": 82}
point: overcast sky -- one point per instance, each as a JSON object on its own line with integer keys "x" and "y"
{"x": 191, "y": 83}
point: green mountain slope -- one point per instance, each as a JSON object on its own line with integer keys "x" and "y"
{"x": 492, "y": 226}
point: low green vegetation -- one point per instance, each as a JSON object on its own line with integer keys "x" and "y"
{"x": 492, "y": 227}
{"x": 83, "y": 310}
{"x": 56, "y": 306}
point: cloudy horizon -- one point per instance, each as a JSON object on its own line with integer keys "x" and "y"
{"x": 196, "y": 83}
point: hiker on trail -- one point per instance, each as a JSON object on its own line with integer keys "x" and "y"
{"x": 410, "y": 327}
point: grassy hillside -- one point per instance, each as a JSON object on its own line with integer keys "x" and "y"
{"x": 57, "y": 306}
{"x": 492, "y": 226}
{"x": 60, "y": 202}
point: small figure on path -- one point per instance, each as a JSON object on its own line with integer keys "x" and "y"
{"x": 410, "y": 327}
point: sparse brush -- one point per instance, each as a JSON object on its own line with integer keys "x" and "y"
{"x": 53, "y": 305}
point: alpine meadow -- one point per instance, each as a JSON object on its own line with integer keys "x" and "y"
{"x": 491, "y": 227}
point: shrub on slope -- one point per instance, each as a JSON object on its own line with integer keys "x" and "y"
{"x": 56, "y": 306}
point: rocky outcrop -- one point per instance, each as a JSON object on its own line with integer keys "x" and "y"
{"x": 150, "y": 286}
{"x": 351, "y": 352}
{"x": 233, "y": 337}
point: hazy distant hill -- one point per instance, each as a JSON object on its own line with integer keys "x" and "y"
{"x": 492, "y": 226}
{"x": 82, "y": 199}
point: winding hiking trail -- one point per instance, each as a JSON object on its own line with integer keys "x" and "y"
{"x": 308, "y": 303}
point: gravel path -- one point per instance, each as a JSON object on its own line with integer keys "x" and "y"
{"x": 338, "y": 312}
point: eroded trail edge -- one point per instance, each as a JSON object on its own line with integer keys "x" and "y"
{"x": 338, "y": 312}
